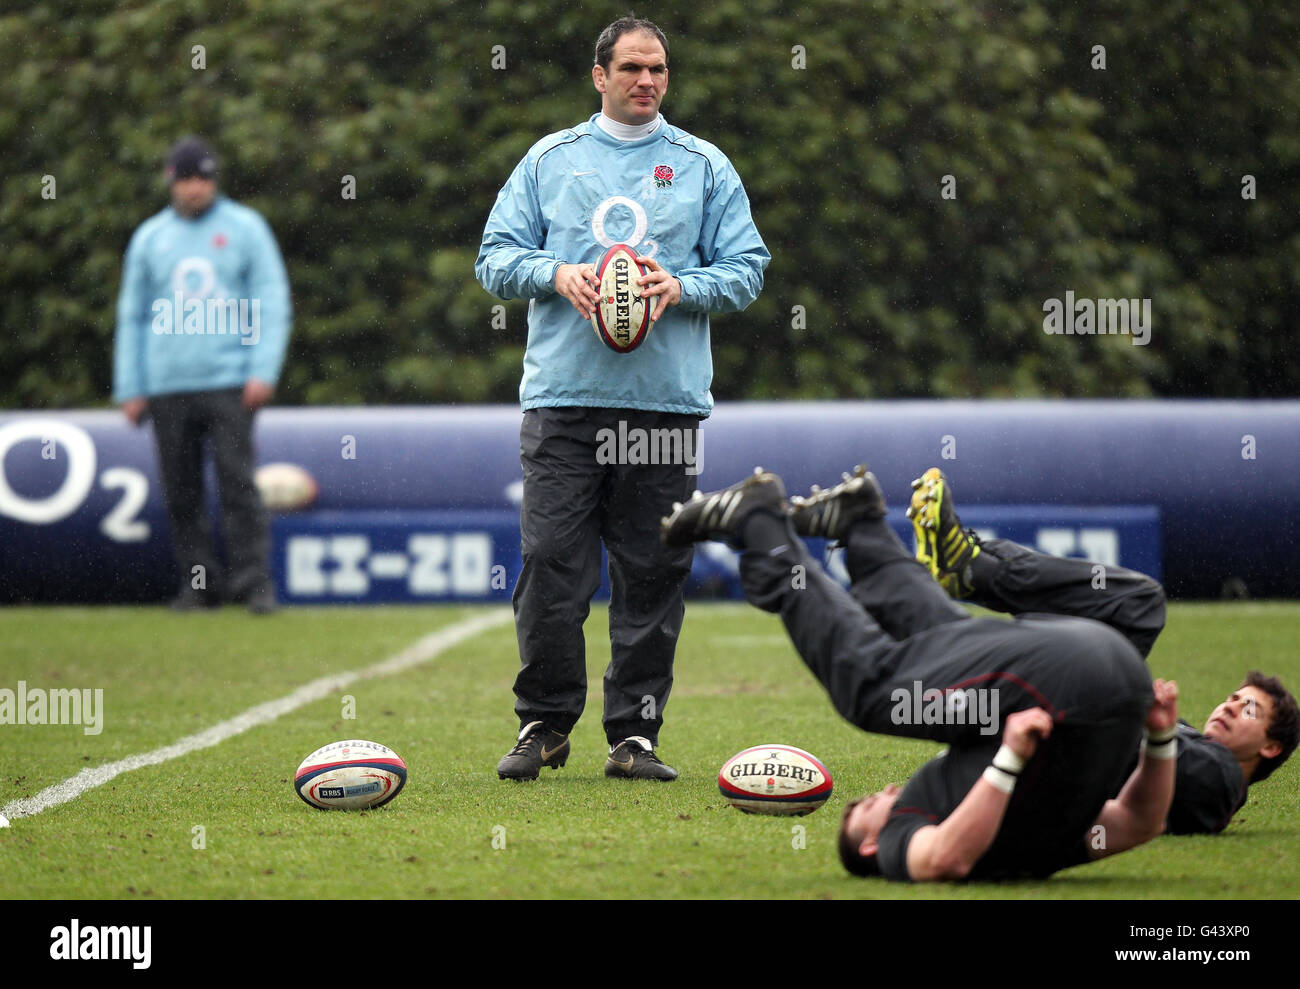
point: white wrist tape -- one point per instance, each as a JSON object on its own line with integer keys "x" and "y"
{"x": 1163, "y": 744}
{"x": 1007, "y": 761}
{"x": 1001, "y": 779}
{"x": 1162, "y": 750}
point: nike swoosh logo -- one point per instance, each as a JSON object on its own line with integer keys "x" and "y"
{"x": 625, "y": 766}
{"x": 590, "y": 171}
{"x": 547, "y": 753}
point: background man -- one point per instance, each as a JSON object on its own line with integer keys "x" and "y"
{"x": 202, "y": 327}
{"x": 1073, "y": 695}
{"x": 1245, "y": 738}
{"x": 624, "y": 176}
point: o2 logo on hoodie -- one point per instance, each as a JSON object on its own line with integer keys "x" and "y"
{"x": 641, "y": 224}
{"x": 194, "y": 278}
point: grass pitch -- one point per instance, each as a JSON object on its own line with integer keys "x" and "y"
{"x": 456, "y": 830}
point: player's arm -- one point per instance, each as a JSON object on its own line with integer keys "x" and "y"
{"x": 511, "y": 262}
{"x": 951, "y": 849}
{"x": 132, "y": 325}
{"x": 1138, "y": 814}
{"x": 268, "y": 282}
{"x": 735, "y": 256}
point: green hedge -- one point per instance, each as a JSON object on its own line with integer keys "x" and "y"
{"x": 1122, "y": 182}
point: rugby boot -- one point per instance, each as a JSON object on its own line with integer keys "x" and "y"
{"x": 942, "y": 544}
{"x": 718, "y": 515}
{"x": 829, "y": 513}
{"x": 634, "y": 759}
{"x": 538, "y": 746}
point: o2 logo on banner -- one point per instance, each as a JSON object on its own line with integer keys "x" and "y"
{"x": 121, "y": 523}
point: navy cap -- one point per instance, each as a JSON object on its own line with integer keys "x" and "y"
{"x": 191, "y": 158}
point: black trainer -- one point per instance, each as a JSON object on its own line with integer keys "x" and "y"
{"x": 634, "y": 759}
{"x": 718, "y": 515}
{"x": 538, "y": 746}
{"x": 828, "y": 514}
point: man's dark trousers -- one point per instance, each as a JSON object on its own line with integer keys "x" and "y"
{"x": 897, "y": 626}
{"x": 183, "y": 423}
{"x": 898, "y": 630}
{"x": 572, "y": 503}
{"x": 1012, "y": 578}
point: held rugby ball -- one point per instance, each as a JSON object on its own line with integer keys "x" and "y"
{"x": 621, "y": 318}
{"x": 350, "y": 775}
{"x": 285, "y": 487}
{"x": 775, "y": 779}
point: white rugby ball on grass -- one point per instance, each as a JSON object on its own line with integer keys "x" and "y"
{"x": 622, "y": 317}
{"x": 350, "y": 775}
{"x": 285, "y": 487}
{"x": 775, "y": 779}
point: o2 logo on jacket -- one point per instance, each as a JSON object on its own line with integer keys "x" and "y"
{"x": 194, "y": 278}
{"x": 120, "y": 524}
{"x": 641, "y": 223}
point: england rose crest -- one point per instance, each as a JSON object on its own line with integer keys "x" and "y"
{"x": 663, "y": 176}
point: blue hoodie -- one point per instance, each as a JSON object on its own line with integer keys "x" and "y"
{"x": 669, "y": 196}
{"x": 204, "y": 304}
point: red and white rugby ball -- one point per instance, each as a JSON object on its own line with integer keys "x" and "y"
{"x": 622, "y": 317}
{"x": 775, "y": 779}
{"x": 350, "y": 775}
{"x": 285, "y": 487}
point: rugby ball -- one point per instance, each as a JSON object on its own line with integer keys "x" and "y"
{"x": 285, "y": 487}
{"x": 350, "y": 775}
{"x": 775, "y": 779}
{"x": 621, "y": 318}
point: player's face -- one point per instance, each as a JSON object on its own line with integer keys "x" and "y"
{"x": 634, "y": 86}
{"x": 192, "y": 196}
{"x": 1241, "y": 722}
{"x": 866, "y": 820}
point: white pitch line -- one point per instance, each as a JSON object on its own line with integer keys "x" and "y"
{"x": 419, "y": 652}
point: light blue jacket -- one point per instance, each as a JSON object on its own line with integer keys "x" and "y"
{"x": 204, "y": 304}
{"x": 670, "y": 196}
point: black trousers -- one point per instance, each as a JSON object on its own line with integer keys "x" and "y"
{"x": 897, "y": 628}
{"x": 897, "y": 634}
{"x": 184, "y": 423}
{"x": 1014, "y": 579}
{"x": 574, "y": 500}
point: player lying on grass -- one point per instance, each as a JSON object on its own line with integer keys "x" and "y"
{"x": 1245, "y": 738}
{"x": 1072, "y": 695}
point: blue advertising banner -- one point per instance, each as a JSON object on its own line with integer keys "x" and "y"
{"x": 473, "y": 556}
{"x": 82, "y": 516}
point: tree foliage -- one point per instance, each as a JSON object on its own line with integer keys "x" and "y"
{"x": 846, "y": 120}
